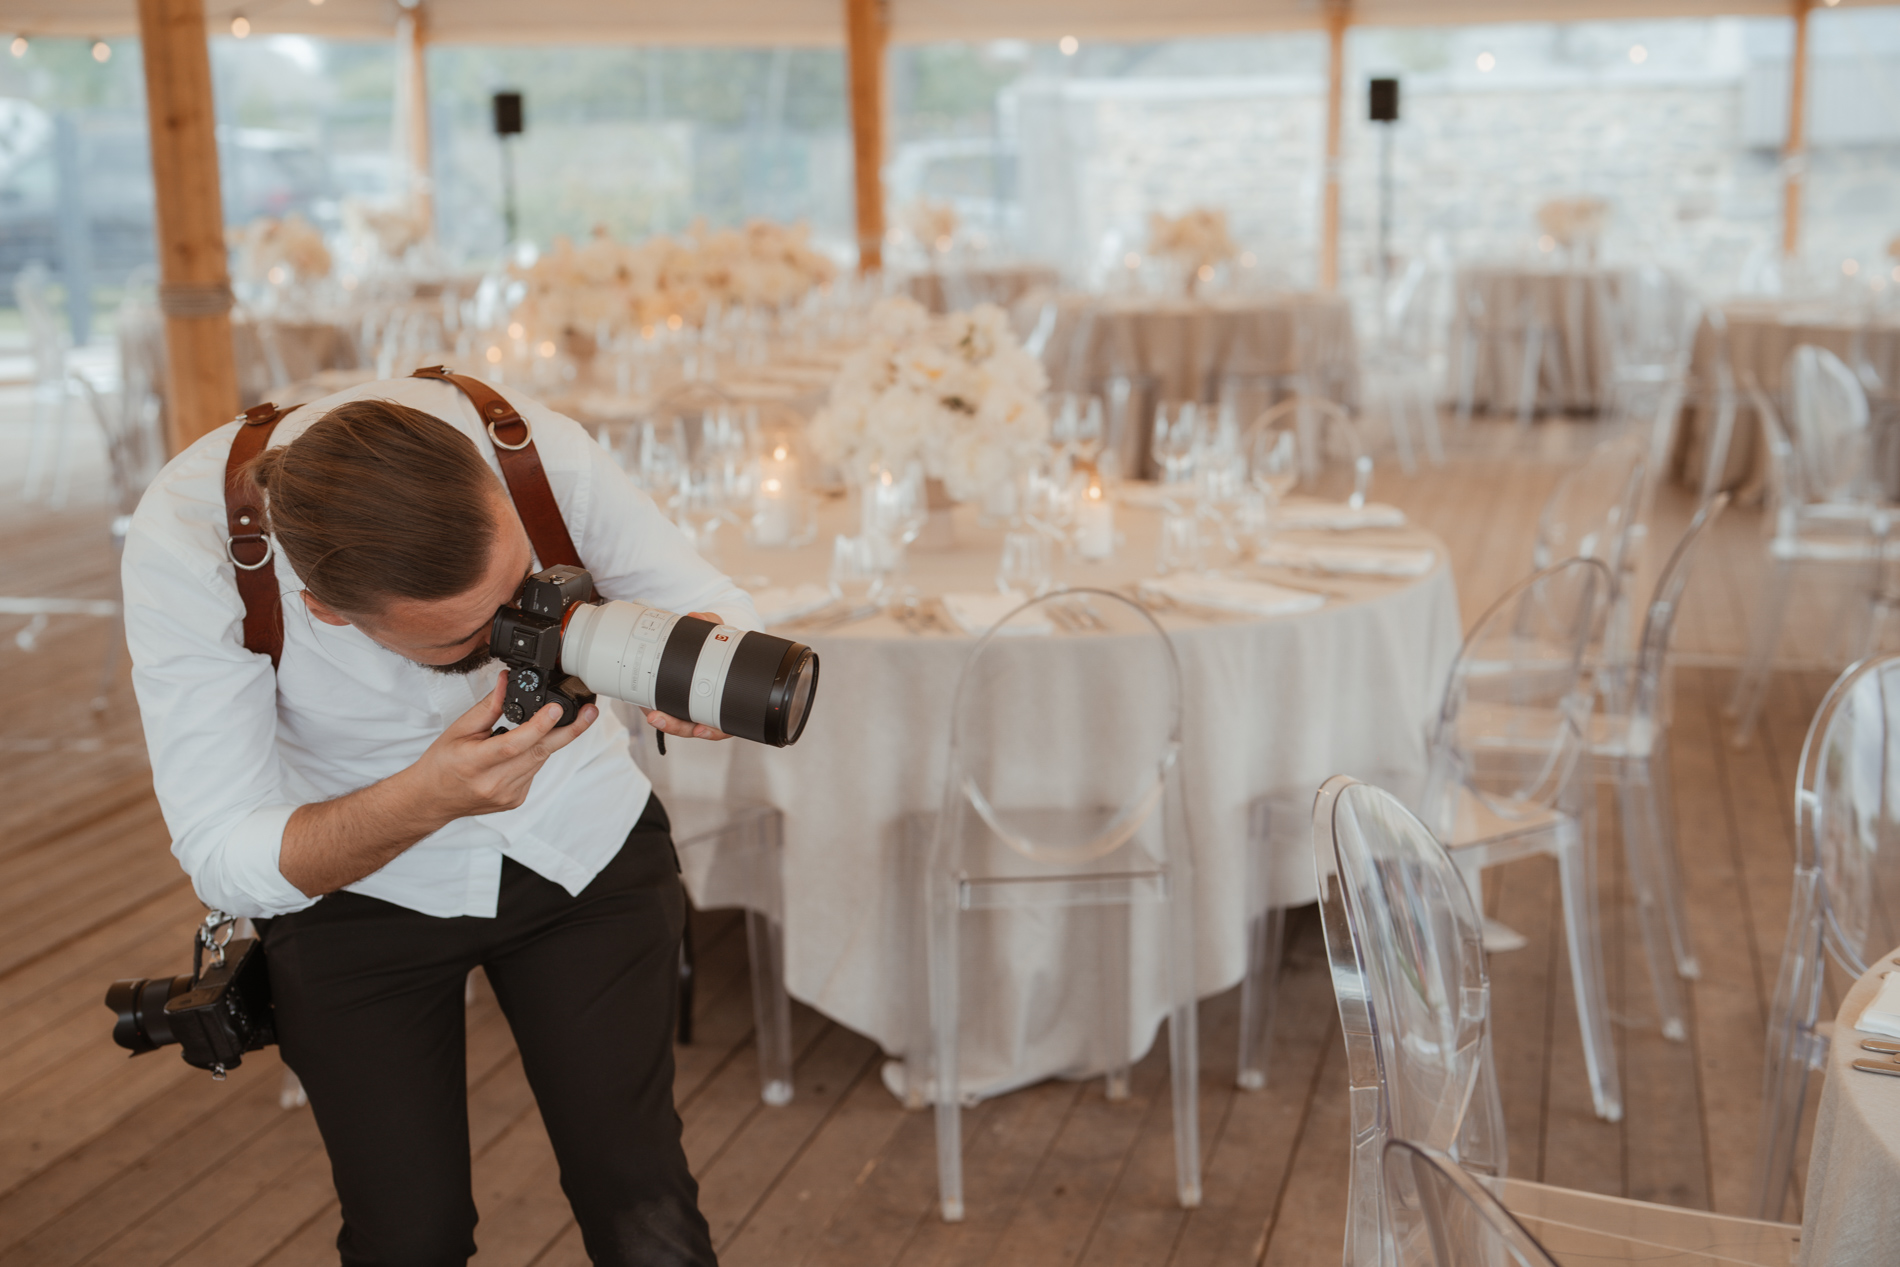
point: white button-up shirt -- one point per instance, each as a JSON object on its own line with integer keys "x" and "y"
{"x": 236, "y": 748}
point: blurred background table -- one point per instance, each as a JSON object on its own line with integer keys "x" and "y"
{"x": 1503, "y": 312}
{"x": 1348, "y": 686}
{"x": 948, "y": 289}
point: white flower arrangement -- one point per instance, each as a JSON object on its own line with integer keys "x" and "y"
{"x": 578, "y": 288}
{"x": 956, "y": 392}
{"x": 1197, "y": 238}
{"x": 279, "y": 251}
{"x": 1574, "y": 221}
{"x": 393, "y": 229}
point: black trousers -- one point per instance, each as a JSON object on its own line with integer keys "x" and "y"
{"x": 369, "y": 1010}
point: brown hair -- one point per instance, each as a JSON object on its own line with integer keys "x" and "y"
{"x": 377, "y": 501}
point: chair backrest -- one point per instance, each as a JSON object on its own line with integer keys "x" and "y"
{"x": 1828, "y": 410}
{"x": 1322, "y": 431}
{"x": 1645, "y": 697}
{"x": 1444, "y": 1217}
{"x": 1649, "y": 318}
{"x": 1520, "y": 679}
{"x": 32, "y": 292}
{"x": 1406, "y": 947}
{"x": 1847, "y": 807}
{"x": 1012, "y": 810}
{"x": 1592, "y": 510}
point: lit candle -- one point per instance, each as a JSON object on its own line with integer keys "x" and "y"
{"x": 1095, "y": 522}
{"x": 778, "y": 487}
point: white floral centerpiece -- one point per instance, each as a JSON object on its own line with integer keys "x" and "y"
{"x": 1574, "y": 222}
{"x": 957, "y": 393}
{"x": 1197, "y": 239}
{"x": 279, "y": 251}
{"x": 574, "y": 290}
{"x": 933, "y": 224}
{"x": 393, "y": 230}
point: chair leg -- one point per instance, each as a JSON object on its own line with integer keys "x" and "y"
{"x": 688, "y": 970}
{"x": 1112, "y": 951}
{"x": 1794, "y": 1047}
{"x": 944, "y": 986}
{"x": 1427, "y": 406}
{"x": 1635, "y": 798}
{"x": 771, "y": 1007}
{"x": 1259, "y": 993}
{"x": 1669, "y": 866}
{"x": 1528, "y": 373}
{"x": 1752, "y": 686}
{"x": 1393, "y": 397}
{"x": 1577, "y": 877}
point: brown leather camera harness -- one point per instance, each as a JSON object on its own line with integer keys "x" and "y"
{"x": 250, "y": 548}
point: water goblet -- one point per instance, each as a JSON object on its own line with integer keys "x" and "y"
{"x": 1175, "y": 434}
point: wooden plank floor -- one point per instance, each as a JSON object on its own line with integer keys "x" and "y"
{"x": 108, "y": 1161}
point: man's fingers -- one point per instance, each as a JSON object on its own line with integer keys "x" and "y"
{"x": 682, "y": 729}
{"x": 566, "y": 735}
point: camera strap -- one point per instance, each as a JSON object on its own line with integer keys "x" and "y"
{"x": 249, "y": 548}
{"x": 520, "y": 466}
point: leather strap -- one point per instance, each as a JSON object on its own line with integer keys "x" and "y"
{"x": 520, "y": 466}
{"x": 250, "y": 550}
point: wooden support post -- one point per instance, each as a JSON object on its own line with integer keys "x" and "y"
{"x": 867, "y": 34}
{"x": 412, "y": 111}
{"x": 1338, "y": 15}
{"x": 1794, "y": 155}
{"x": 194, "y": 284}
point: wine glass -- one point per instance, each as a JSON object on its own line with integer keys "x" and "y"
{"x": 1273, "y": 468}
{"x": 857, "y": 576}
{"x": 894, "y": 508}
{"x": 1175, "y": 434}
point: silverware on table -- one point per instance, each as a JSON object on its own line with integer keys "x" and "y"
{"x": 1884, "y": 1046}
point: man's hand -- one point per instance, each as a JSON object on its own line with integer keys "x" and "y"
{"x": 685, "y": 729}
{"x": 462, "y": 774}
{"x": 466, "y": 772}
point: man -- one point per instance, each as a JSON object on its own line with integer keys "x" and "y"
{"x": 354, "y": 803}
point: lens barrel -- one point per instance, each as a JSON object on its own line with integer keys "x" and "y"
{"x": 752, "y": 685}
{"x": 140, "y": 1003}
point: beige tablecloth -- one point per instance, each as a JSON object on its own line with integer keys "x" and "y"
{"x": 1574, "y": 368}
{"x": 1761, "y": 334}
{"x": 941, "y": 290}
{"x": 304, "y": 349}
{"x": 1271, "y": 706}
{"x": 1851, "y": 1216}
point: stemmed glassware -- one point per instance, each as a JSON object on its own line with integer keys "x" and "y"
{"x": 1273, "y": 468}
{"x": 1176, "y": 435}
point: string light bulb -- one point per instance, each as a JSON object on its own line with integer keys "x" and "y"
{"x": 101, "y": 52}
{"x": 1069, "y": 44}
{"x": 1486, "y": 62}
{"x": 1638, "y": 54}
{"x": 19, "y": 46}
{"x": 240, "y": 26}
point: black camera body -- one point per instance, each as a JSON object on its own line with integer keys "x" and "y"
{"x": 527, "y": 638}
{"x": 215, "y": 1015}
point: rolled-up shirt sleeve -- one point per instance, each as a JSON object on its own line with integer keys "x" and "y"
{"x": 210, "y": 712}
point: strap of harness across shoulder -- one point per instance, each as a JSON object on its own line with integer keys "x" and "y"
{"x": 520, "y": 467}
{"x": 246, "y": 543}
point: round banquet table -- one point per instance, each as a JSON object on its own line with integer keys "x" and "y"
{"x": 1761, "y": 334}
{"x": 947, "y": 288}
{"x": 1567, "y": 302}
{"x": 1851, "y": 1214}
{"x": 1271, "y": 706}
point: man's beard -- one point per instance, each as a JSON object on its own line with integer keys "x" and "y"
{"x": 466, "y": 665}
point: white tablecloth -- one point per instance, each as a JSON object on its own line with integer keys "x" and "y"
{"x": 1567, "y": 303}
{"x": 1271, "y": 705}
{"x": 1851, "y": 1216}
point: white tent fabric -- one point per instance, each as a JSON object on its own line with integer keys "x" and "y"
{"x": 821, "y": 22}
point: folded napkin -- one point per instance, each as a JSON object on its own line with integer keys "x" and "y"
{"x": 1259, "y": 598}
{"x": 1883, "y": 1014}
{"x": 780, "y": 603}
{"x": 977, "y": 611}
{"x": 1348, "y": 560}
{"x": 1150, "y": 496}
{"x": 1336, "y": 516}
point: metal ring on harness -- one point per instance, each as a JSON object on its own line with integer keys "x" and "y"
{"x": 230, "y": 550}
{"x": 526, "y": 439}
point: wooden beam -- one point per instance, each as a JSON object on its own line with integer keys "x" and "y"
{"x": 412, "y": 112}
{"x": 1338, "y": 16}
{"x": 194, "y": 284}
{"x": 1794, "y": 154}
{"x": 867, "y": 35}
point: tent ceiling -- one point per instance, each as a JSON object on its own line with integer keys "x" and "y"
{"x": 765, "y": 22}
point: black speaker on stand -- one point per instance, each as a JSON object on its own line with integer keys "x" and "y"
{"x": 1384, "y": 102}
{"x": 508, "y": 122}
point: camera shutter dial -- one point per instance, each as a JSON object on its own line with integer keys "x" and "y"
{"x": 527, "y": 681}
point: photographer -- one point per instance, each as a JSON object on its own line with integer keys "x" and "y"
{"x": 352, "y": 801}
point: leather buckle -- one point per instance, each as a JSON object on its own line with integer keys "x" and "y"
{"x": 257, "y": 415}
{"x": 527, "y": 428}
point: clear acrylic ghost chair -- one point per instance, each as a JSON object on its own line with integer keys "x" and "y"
{"x": 1442, "y": 1216}
{"x": 1715, "y": 398}
{"x": 1507, "y": 779}
{"x": 1649, "y": 320}
{"x": 1595, "y": 513}
{"x": 1405, "y": 946}
{"x": 1846, "y": 903}
{"x": 1403, "y": 939}
{"x": 1485, "y": 331}
{"x": 1098, "y": 849}
{"x": 1324, "y": 433}
{"x": 1823, "y": 508}
{"x": 49, "y": 442}
{"x": 1396, "y": 373}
